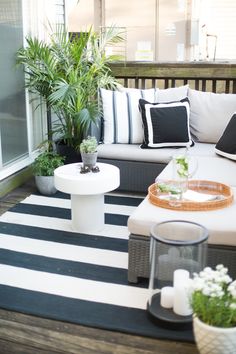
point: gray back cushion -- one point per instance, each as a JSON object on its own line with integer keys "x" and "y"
{"x": 210, "y": 114}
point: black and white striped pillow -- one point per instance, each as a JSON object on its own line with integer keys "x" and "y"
{"x": 165, "y": 124}
{"x": 122, "y": 122}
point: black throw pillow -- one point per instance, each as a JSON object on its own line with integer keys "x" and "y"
{"x": 226, "y": 145}
{"x": 165, "y": 124}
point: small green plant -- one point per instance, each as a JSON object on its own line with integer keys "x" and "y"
{"x": 46, "y": 163}
{"x": 213, "y": 297}
{"x": 89, "y": 145}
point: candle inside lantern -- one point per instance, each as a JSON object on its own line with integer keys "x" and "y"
{"x": 167, "y": 297}
{"x": 181, "y": 304}
{"x": 180, "y": 276}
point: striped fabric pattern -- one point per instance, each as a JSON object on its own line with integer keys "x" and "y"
{"x": 122, "y": 121}
{"x": 49, "y": 270}
{"x": 121, "y": 116}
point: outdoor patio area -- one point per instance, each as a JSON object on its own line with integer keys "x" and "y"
{"x": 117, "y": 177}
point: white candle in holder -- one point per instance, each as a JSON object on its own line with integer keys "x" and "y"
{"x": 180, "y": 276}
{"x": 181, "y": 304}
{"x": 167, "y": 297}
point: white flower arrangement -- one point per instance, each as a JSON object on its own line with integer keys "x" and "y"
{"x": 213, "y": 297}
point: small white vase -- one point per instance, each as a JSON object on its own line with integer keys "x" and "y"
{"x": 214, "y": 340}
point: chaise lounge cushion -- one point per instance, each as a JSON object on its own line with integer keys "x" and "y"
{"x": 209, "y": 114}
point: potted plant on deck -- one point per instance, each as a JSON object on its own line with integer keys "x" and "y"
{"x": 88, "y": 150}
{"x": 43, "y": 169}
{"x": 67, "y": 73}
{"x": 213, "y": 300}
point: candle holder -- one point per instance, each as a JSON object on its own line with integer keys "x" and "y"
{"x": 178, "y": 249}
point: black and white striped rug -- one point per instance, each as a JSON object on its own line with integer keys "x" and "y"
{"x": 50, "y": 271}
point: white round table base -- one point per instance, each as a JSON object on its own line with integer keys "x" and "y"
{"x": 87, "y": 212}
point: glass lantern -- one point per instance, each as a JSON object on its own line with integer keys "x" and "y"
{"x": 177, "y": 250}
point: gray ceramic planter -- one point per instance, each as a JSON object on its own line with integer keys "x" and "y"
{"x": 89, "y": 159}
{"x": 45, "y": 184}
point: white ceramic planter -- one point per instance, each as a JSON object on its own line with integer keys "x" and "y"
{"x": 214, "y": 340}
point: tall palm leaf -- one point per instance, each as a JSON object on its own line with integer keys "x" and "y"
{"x": 67, "y": 73}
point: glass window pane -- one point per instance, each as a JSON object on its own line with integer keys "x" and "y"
{"x": 13, "y": 124}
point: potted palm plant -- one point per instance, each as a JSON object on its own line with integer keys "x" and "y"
{"x": 67, "y": 73}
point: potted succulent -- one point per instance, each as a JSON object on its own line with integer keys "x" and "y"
{"x": 88, "y": 150}
{"x": 213, "y": 300}
{"x": 67, "y": 73}
{"x": 43, "y": 169}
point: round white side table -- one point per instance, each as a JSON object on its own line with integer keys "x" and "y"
{"x": 87, "y": 193}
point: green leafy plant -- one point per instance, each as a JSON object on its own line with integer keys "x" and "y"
{"x": 89, "y": 145}
{"x": 213, "y": 297}
{"x": 67, "y": 73}
{"x": 46, "y": 163}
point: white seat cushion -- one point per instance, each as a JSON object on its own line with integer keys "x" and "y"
{"x": 221, "y": 223}
{"x": 133, "y": 152}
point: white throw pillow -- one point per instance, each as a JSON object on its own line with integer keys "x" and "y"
{"x": 121, "y": 116}
{"x": 209, "y": 114}
{"x": 171, "y": 94}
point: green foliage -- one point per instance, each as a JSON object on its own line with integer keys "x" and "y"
{"x": 214, "y": 297}
{"x": 182, "y": 166}
{"x": 89, "y": 145}
{"x": 46, "y": 163}
{"x": 67, "y": 72}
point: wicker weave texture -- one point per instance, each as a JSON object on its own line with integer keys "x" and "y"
{"x": 206, "y": 187}
{"x": 139, "y": 252}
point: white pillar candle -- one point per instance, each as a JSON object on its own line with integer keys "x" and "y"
{"x": 167, "y": 297}
{"x": 180, "y": 276}
{"x": 181, "y": 304}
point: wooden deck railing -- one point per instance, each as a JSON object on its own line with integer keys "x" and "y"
{"x": 204, "y": 76}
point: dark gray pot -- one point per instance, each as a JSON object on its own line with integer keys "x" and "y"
{"x": 45, "y": 184}
{"x": 71, "y": 155}
{"x": 89, "y": 159}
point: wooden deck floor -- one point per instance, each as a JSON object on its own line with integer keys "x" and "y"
{"x": 24, "y": 334}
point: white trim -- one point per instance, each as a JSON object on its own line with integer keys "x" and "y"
{"x": 226, "y": 154}
{"x": 17, "y": 165}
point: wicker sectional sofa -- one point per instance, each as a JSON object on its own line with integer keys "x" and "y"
{"x": 209, "y": 116}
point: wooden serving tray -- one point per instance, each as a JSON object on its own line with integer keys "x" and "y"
{"x": 208, "y": 187}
